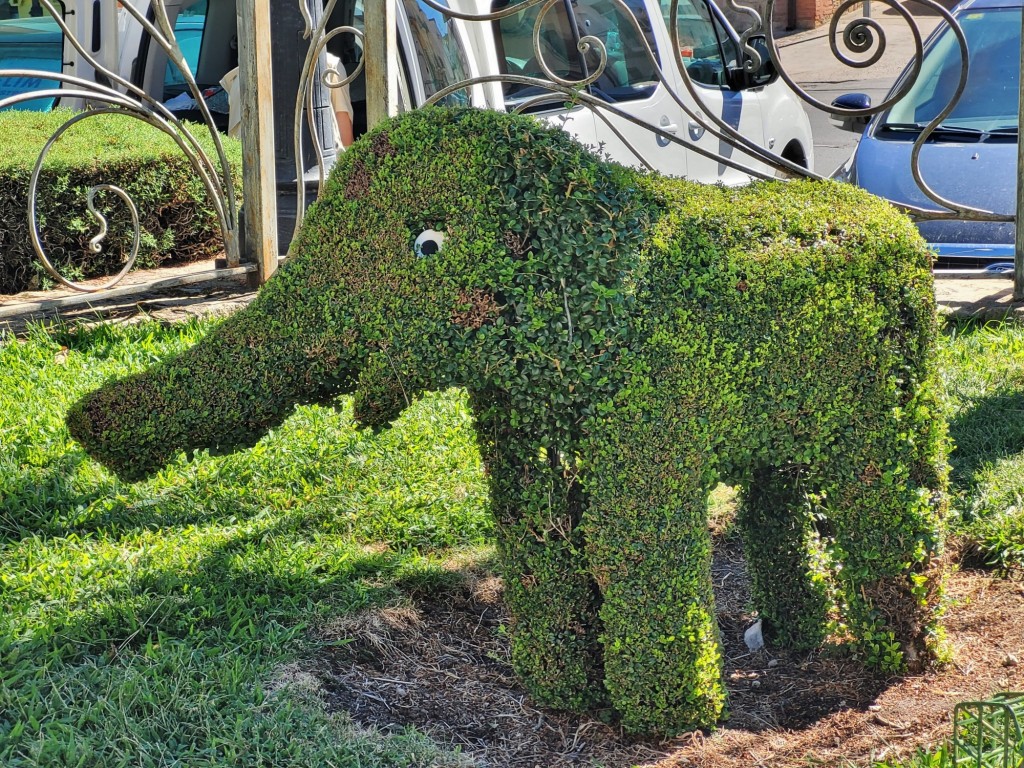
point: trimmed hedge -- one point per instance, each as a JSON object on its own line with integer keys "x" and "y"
{"x": 628, "y": 341}
{"x": 179, "y": 223}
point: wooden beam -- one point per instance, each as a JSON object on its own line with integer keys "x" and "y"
{"x": 259, "y": 185}
{"x": 29, "y": 306}
{"x": 380, "y": 47}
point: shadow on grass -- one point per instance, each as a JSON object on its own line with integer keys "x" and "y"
{"x": 990, "y": 430}
{"x": 232, "y": 589}
{"x": 44, "y": 501}
{"x": 102, "y": 340}
{"x": 54, "y": 502}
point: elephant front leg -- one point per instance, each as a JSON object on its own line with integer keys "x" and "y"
{"x": 650, "y": 551}
{"x": 555, "y": 629}
{"x": 786, "y": 560}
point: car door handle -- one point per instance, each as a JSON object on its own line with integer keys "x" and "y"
{"x": 667, "y": 125}
{"x": 696, "y": 129}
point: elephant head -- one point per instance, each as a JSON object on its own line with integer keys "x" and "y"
{"x": 426, "y": 260}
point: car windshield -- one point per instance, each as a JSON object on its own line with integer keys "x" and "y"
{"x": 989, "y": 102}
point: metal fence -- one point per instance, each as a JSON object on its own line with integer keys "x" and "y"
{"x": 543, "y": 79}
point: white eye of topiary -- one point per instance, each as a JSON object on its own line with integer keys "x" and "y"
{"x": 429, "y": 242}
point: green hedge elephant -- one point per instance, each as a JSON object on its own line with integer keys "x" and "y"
{"x": 627, "y": 342}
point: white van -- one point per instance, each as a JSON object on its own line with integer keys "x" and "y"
{"x": 436, "y": 51}
{"x": 759, "y": 106}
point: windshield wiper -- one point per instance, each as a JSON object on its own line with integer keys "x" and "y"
{"x": 1007, "y": 130}
{"x": 957, "y": 130}
{"x": 941, "y": 130}
{"x": 909, "y": 127}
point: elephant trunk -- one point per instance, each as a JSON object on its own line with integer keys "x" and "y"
{"x": 223, "y": 394}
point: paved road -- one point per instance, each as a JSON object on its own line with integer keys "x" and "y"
{"x": 809, "y": 61}
{"x": 833, "y": 146}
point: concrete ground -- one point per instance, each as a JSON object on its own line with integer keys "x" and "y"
{"x": 979, "y": 298}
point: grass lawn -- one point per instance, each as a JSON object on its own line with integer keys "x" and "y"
{"x": 145, "y": 625}
{"x": 150, "y": 624}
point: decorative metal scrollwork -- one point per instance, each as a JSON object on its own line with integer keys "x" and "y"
{"x": 122, "y": 97}
{"x": 331, "y": 78}
{"x": 858, "y": 43}
{"x": 859, "y": 36}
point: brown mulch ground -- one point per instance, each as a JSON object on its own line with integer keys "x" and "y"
{"x": 441, "y": 666}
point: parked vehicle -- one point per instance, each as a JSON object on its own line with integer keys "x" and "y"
{"x": 436, "y": 51}
{"x": 971, "y": 158}
{"x": 29, "y": 43}
{"x": 758, "y": 105}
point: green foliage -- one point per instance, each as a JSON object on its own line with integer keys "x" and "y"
{"x": 790, "y": 580}
{"x": 983, "y": 371}
{"x": 154, "y": 624}
{"x": 179, "y": 222}
{"x": 627, "y": 342}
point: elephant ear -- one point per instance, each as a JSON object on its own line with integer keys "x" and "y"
{"x": 380, "y": 396}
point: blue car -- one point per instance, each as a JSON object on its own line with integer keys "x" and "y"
{"x": 972, "y": 157}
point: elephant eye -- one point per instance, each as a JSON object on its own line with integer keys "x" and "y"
{"x": 428, "y": 243}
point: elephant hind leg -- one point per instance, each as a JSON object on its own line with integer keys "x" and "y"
{"x": 889, "y": 533}
{"x": 785, "y": 558}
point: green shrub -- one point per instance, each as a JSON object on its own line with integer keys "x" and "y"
{"x": 179, "y": 222}
{"x": 627, "y": 342}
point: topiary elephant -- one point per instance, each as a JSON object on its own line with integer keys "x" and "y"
{"x": 627, "y": 342}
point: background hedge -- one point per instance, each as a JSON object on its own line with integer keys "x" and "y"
{"x": 179, "y": 223}
{"x": 628, "y": 341}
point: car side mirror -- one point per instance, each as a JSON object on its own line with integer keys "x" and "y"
{"x": 850, "y": 101}
{"x": 740, "y": 79}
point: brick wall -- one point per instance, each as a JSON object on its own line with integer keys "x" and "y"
{"x": 809, "y": 13}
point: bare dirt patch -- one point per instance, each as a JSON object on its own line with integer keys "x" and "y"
{"x": 442, "y": 666}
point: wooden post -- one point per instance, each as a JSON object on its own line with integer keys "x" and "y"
{"x": 259, "y": 182}
{"x": 381, "y": 52}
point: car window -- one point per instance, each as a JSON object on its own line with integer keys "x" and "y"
{"x": 629, "y": 72}
{"x": 442, "y": 60}
{"x": 188, "y": 30}
{"x": 705, "y": 48}
{"x": 514, "y": 35}
{"x": 990, "y": 99}
{"x": 29, "y": 39}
